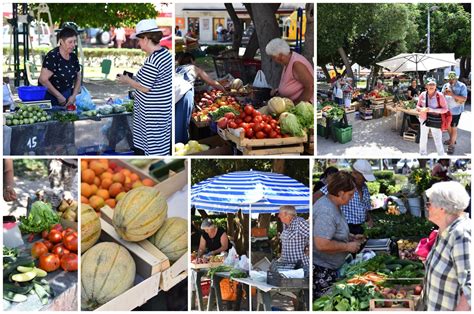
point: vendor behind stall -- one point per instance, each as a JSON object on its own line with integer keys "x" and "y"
{"x": 188, "y": 73}
{"x": 356, "y": 211}
{"x": 60, "y": 72}
{"x": 213, "y": 240}
{"x": 297, "y": 78}
{"x": 413, "y": 90}
{"x": 295, "y": 236}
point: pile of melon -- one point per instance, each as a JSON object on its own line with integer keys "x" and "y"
{"x": 107, "y": 268}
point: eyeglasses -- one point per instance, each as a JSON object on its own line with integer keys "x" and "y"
{"x": 427, "y": 204}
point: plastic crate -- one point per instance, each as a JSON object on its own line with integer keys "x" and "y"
{"x": 322, "y": 131}
{"x": 378, "y": 113}
{"x": 31, "y": 93}
{"x": 342, "y": 133}
{"x": 205, "y": 287}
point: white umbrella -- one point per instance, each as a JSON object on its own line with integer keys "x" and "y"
{"x": 414, "y": 62}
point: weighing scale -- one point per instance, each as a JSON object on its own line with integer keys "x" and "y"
{"x": 379, "y": 245}
{"x": 43, "y": 104}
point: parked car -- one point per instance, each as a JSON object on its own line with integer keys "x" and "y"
{"x": 96, "y": 36}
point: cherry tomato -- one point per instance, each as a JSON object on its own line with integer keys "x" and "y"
{"x": 268, "y": 128}
{"x": 249, "y": 133}
{"x": 248, "y": 118}
{"x": 260, "y": 135}
{"x": 238, "y": 121}
{"x": 257, "y": 119}
{"x": 256, "y": 113}
{"x": 242, "y": 115}
{"x": 257, "y": 127}
{"x": 232, "y": 125}
{"x": 273, "y": 134}
{"x": 248, "y": 109}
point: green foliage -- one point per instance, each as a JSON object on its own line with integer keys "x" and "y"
{"x": 422, "y": 179}
{"x": 31, "y": 168}
{"x": 41, "y": 217}
{"x": 393, "y": 189}
{"x": 374, "y": 187}
{"x": 104, "y": 15}
{"x": 90, "y": 53}
{"x": 384, "y": 174}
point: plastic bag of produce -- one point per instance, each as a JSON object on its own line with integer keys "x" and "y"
{"x": 260, "y": 81}
{"x": 84, "y": 100}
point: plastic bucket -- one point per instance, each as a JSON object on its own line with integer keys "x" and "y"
{"x": 31, "y": 93}
{"x": 414, "y": 204}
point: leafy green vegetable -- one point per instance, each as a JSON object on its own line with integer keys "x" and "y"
{"x": 304, "y": 111}
{"x": 347, "y": 298}
{"x": 218, "y": 269}
{"x": 41, "y": 217}
{"x": 12, "y": 252}
{"x": 289, "y": 124}
{"x": 335, "y": 113}
{"x": 237, "y": 273}
{"x": 65, "y": 117}
{"x": 219, "y": 113}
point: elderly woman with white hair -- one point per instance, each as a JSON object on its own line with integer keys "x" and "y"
{"x": 297, "y": 79}
{"x": 213, "y": 240}
{"x": 447, "y": 283}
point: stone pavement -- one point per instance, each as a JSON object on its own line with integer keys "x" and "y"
{"x": 377, "y": 139}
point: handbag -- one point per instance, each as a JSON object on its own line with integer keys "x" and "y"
{"x": 433, "y": 120}
{"x": 260, "y": 80}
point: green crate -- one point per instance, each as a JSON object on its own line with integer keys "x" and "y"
{"x": 343, "y": 134}
{"x": 322, "y": 130}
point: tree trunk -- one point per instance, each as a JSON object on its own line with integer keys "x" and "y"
{"x": 308, "y": 51}
{"x": 465, "y": 67}
{"x": 230, "y": 225}
{"x": 252, "y": 47}
{"x": 346, "y": 61}
{"x": 278, "y": 166}
{"x": 326, "y": 73}
{"x": 266, "y": 25}
{"x": 237, "y": 35}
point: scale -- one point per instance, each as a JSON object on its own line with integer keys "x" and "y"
{"x": 379, "y": 245}
{"x": 43, "y": 104}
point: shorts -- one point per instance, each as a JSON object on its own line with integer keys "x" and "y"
{"x": 323, "y": 278}
{"x": 455, "y": 121}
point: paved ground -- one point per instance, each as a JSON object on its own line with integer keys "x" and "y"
{"x": 377, "y": 138}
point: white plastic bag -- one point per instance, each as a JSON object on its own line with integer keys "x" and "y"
{"x": 243, "y": 263}
{"x": 232, "y": 258}
{"x": 260, "y": 81}
{"x": 181, "y": 87}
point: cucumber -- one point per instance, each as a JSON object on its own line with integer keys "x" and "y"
{"x": 20, "y": 261}
{"x": 45, "y": 284}
{"x": 24, "y": 276}
{"x": 42, "y": 293}
{"x": 393, "y": 266}
{"x": 17, "y": 289}
{"x": 24, "y": 269}
{"x": 39, "y": 272}
{"x": 14, "y": 297}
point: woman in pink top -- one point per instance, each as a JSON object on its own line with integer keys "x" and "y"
{"x": 434, "y": 106}
{"x": 297, "y": 78}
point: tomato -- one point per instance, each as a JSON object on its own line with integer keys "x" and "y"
{"x": 256, "y": 113}
{"x": 69, "y": 262}
{"x": 45, "y": 234}
{"x": 55, "y": 236}
{"x": 267, "y": 128}
{"x": 273, "y": 125}
{"x": 249, "y": 133}
{"x": 257, "y": 127}
{"x": 230, "y": 115}
{"x": 48, "y": 244}
{"x": 273, "y": 134}
{"x": 248, "y": 119}
{"x": 67, "y": 231}
{"x": 222, "y": 123}
{"x": 57, "y": 227}
{"x": 244, "y": 125}
{"x": 49, "y": 262}
{"x": 238, "y": 121}
{"x": 257, "y": 119}
{"x": 232, "y": 125}
{"x": 278, "y": 135}
{"x": 273, "y": 121}
{"x": 70, "y": 242}
{"x": 248, "y": 109}
{"x": 60, "y": 250}
{"x": 242, "y": 115}
{"x": 38, "y": 249}
{"x": 260, "y": 135}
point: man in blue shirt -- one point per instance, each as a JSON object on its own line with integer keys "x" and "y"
{"x": 456, "y": 95}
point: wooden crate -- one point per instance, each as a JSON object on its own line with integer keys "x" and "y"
{"x": 319, "y": 114}
{"x": 173, "y": 275}
{"x": 206, "y": 265}
{"x": 142, "y": 174}
{"x": 269, "y": 146}
{"x": 411, "y": 305}
{"x": 201, "y": 124}
{"x": 409, "y": 136}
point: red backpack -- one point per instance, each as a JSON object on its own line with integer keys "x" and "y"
{"x": 446, "y": 118}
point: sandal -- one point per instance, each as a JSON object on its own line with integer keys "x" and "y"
{"x": 449, "y": 141}
{"x": 451, "y": 149}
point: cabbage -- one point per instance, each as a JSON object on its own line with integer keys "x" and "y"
{"x": 304, "y": 111}
{"x": 289, "y": 104}
{"x": 289, "y": 124}
{"x": 276, "y": 105}
{"x": 41, "y": 217}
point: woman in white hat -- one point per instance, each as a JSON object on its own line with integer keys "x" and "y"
{"x": 153, "y": 96}
{"x": 431, "y": 104}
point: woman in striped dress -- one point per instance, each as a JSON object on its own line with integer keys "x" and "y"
{"x": 153, "y": 96}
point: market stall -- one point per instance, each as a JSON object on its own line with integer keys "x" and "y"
{"x": 149, "y": 264}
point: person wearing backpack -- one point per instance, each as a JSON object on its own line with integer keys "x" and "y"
{"x": 431, "y": 105}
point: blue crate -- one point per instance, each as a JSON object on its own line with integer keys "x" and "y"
{"x": 31, "y": 93}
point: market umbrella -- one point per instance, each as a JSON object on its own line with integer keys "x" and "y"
{"x": 414, "y": 62}
{"x": 249, "y": 191}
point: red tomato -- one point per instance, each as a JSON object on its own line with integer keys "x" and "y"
{"x": 57, "y": 227}
{"x": 45, "y": 234}
{"x": 238, "y": 121}
{"x": 273, "y": 121}
{"x": 38, "y": 249}
{"x": 273, "y": 125}
{"x": 69, "y": 262}
{"x": 70, "y": 242}
{"x": 285, "y": 135}
{"x": 245, "y": 125}
{"x": 232, "y": 125}
{"x": 260, "y": 135}
{"x": 242, "y": 115}
{"x": 230, "y": 115}
{"x": 267, "y": 128}
{"x": 67, "y": 231}
{"x": 257, "y": 127}
{"x": 257, "y": 119}
{"x": 249, "y": 133}
{"x": 48, "y": 244}
{"x": 222, "y": 123}
{"x": 60, "y": 250}
{"x": 278, "y": 135}
{"x": 55, "y": 236}
{"x": 248, "y": 119}
{"x": 256, "y": 113}
{"x": 248, "y": 109}
{"x": 49, "y": 262}
{"x": 273, "y": 134}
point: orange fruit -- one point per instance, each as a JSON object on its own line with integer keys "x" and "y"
{"x": 96, "y": 202}
{"x": 86, "y": 189}
{"x": 84, "y": 164}
{"x": 94, "y": 189}
{"x": 97, "y": 167}
{"x": 105, "y": 162}
{"x": 134, "y": 177}
{"x": 87, "y": 176}
{"x": 106, "y": 183}
{"x": 120, "y": 196}
{"x": 126, "y": 172}
{"x": 111, "y": 202}
{"x": 136, "y": 184}
{"x": 119, "y": 177}
{"x": 128, "y": 180}
{"x": 103, "y": 193}
{"x": 97, "y": 181}
{"x": 84, "y": 200}
{"x": 115, "y": 189}
{"x": 148, "y": 182}
{"x": 106, "y": 175}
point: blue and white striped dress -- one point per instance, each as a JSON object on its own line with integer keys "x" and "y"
{"x": 152, "y": 110}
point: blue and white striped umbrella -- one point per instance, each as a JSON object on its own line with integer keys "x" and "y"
{"x": 250, "y": 191}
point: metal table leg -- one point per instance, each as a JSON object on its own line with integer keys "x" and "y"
{"x": 197, "y": 286}
{"x": 215, "y": 282}
{"x": 267, "y": 301}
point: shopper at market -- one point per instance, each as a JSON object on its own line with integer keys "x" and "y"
{"x": 297, "y": 78}
{"x": 294, "y": 237}
{"x": 356, "y": 211}
{"x": 413, "y": 90}
{"x": 440, "y": 170}
{"x": 431, "y": 104}
{"x": 379, "y": 86}
{"x": 213, "y": 240}
{"x": 347, "y": 90}
{"x": 323, "y": 179}
{"x": 456, "y": 95}
{"x": 332, "y": 238}
{"x": 447, "y": 283}
{"x": 337, "y": 92}
{"x": 187, "y": 73}
{"x": 60, "y": 72}
{"x": 153, "y": 95}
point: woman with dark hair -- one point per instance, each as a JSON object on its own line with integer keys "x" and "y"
{"x": 331, "y": 236}
{"x": 186, "y": 74}
{"x": 60, "y": 72}
{"x": 153, "y": 96}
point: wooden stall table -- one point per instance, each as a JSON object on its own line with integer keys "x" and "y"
{"x": 216, "y": 293}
